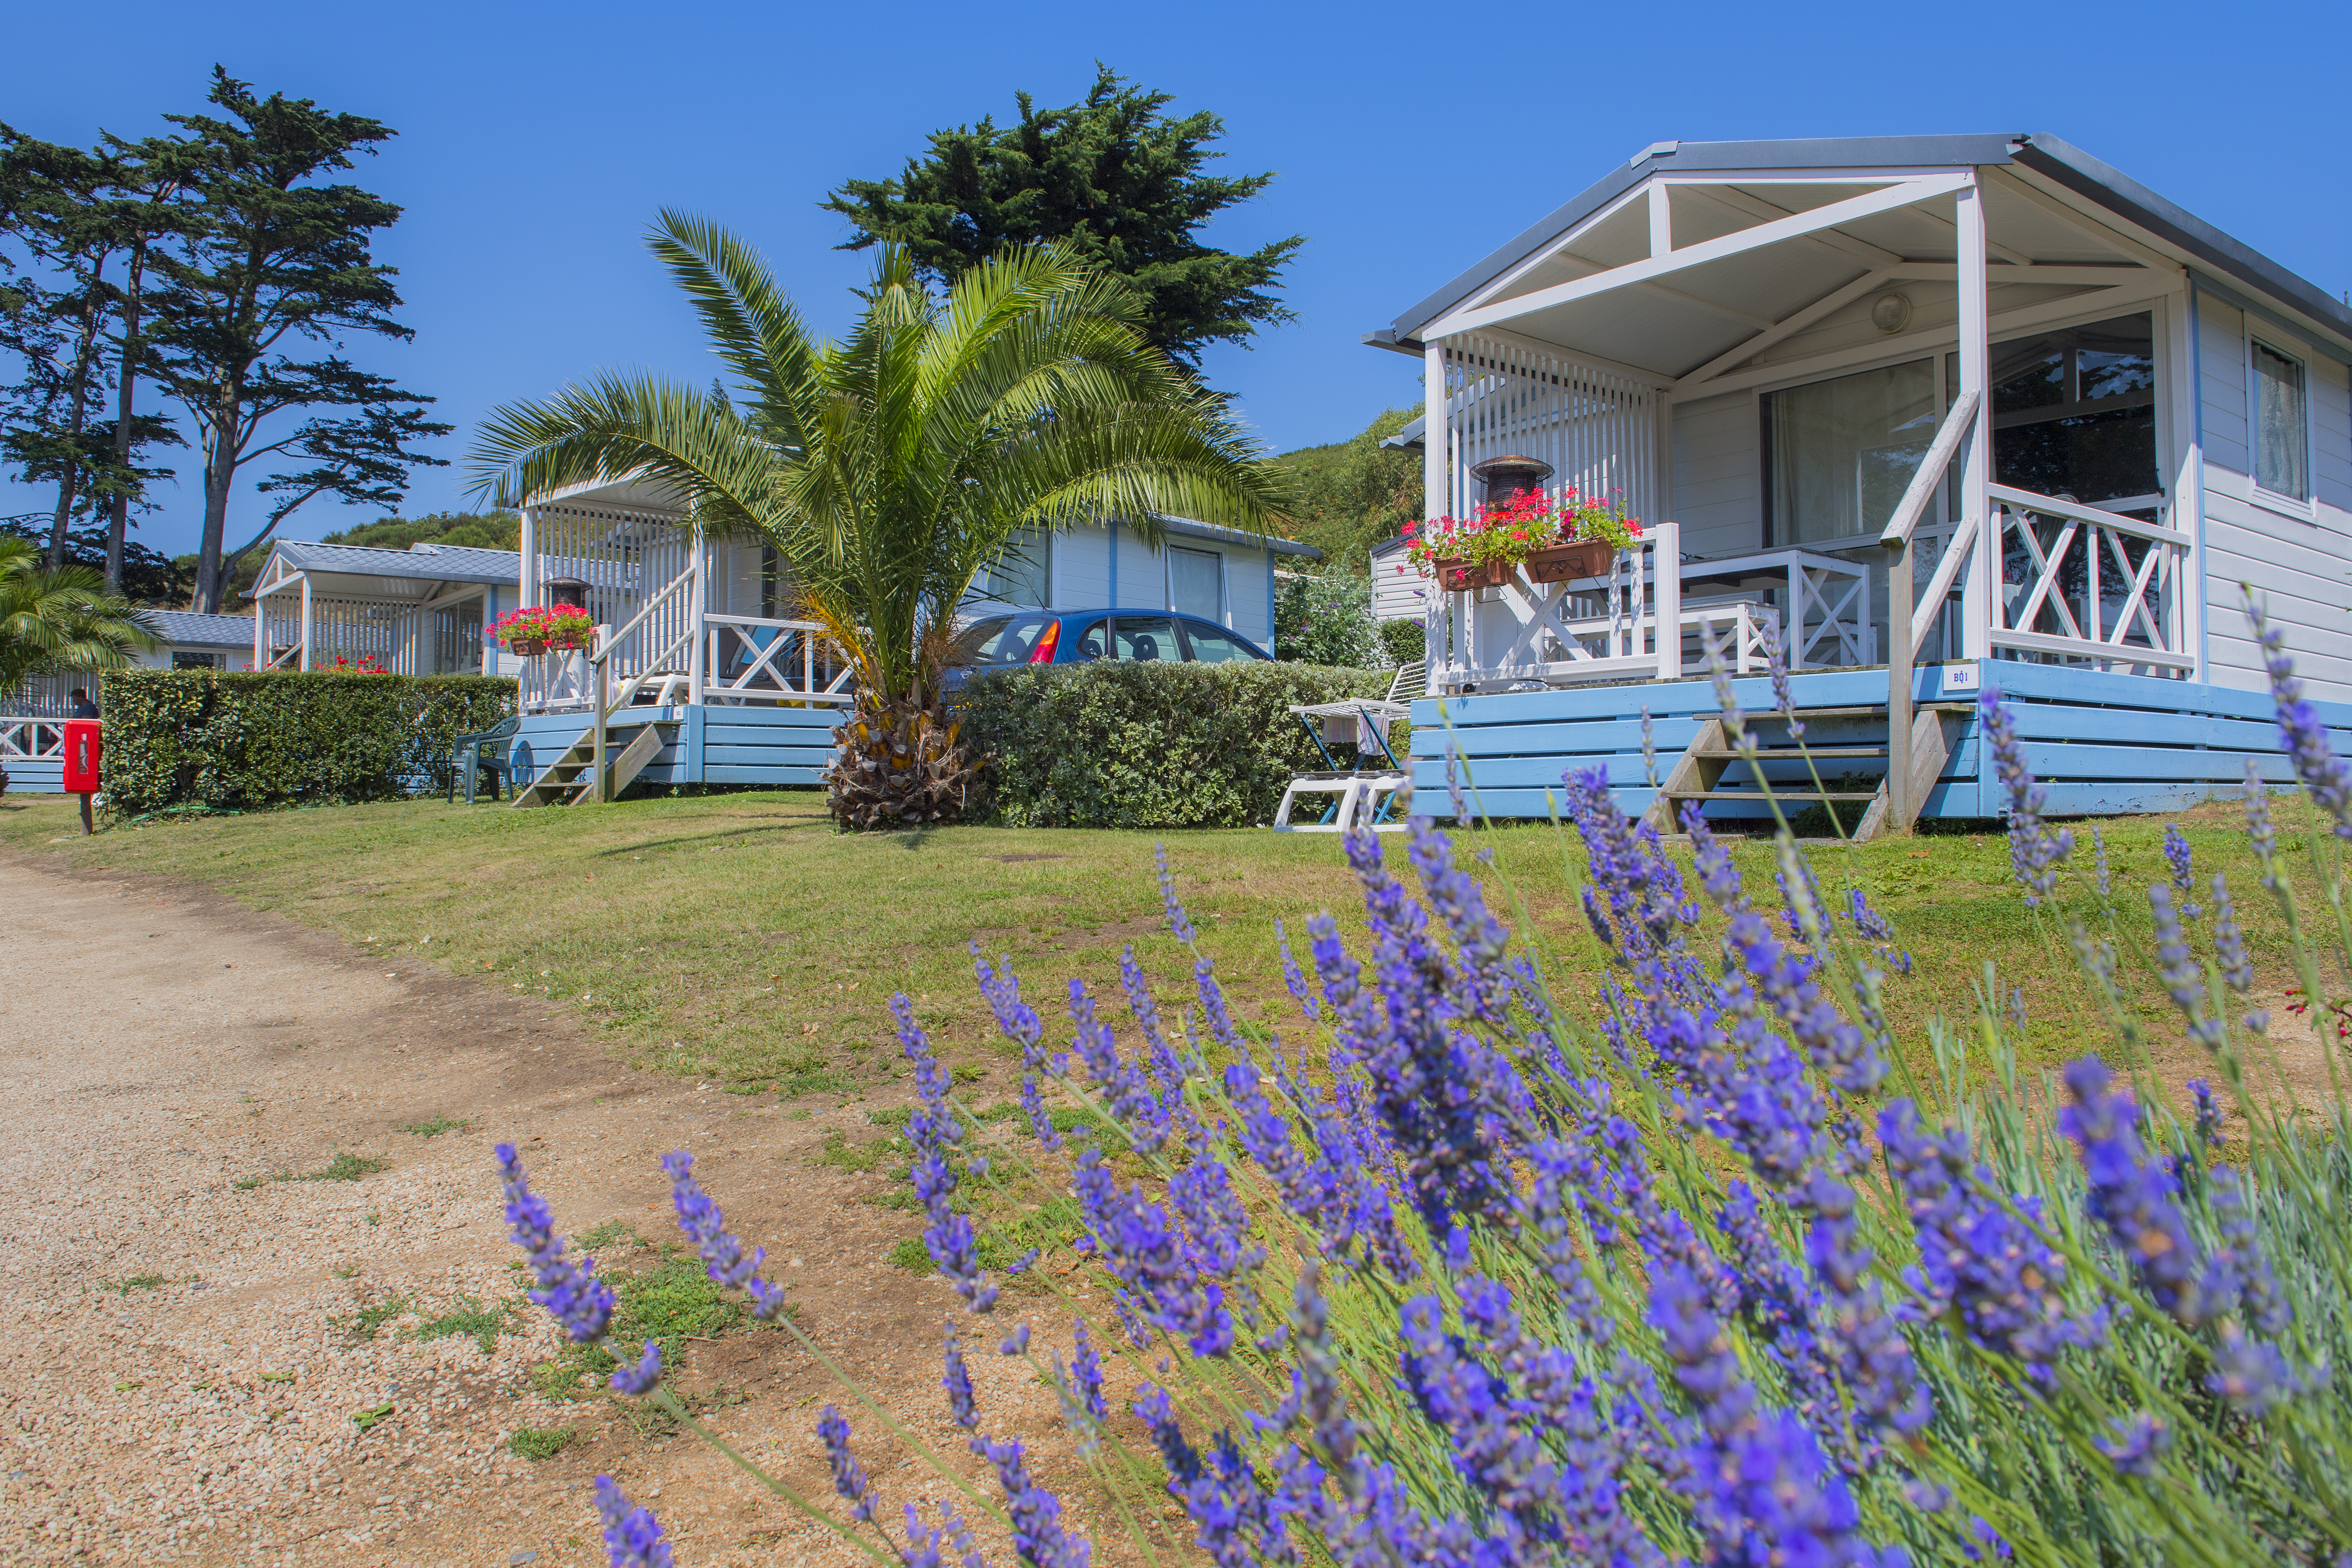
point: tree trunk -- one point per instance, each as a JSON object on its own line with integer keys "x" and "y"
{"x": 70, "y": 482}
{"x": 118, "y": 523}
{"x": 220, "y": 473}
{"x": 899, "y": 762}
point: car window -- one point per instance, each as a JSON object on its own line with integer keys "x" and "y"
{"x": 1145, "y": 637}
{"x": 1213, "y": 644}
{"x": 1001, "y": 639}
{"x": 1087, "y": 641}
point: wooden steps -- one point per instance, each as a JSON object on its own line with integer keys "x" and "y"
{"x": 571, "y": 779}
{"x": 1698, "y": 774}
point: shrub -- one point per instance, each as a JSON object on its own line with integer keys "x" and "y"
{"x": 1117, "y": 744}
{"x": 1325, "y": 618}
{"x": 1404, "y": 642}
{"x": 244, "y": 740}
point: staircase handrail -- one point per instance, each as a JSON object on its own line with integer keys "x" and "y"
{"x": 2026, "y": 500}
{"x": 1930, "y": 472}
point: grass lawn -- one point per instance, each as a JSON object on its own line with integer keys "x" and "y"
{"x": 737, "y": 937}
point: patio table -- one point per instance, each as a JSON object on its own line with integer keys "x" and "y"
{"x": 1808, "y": 581}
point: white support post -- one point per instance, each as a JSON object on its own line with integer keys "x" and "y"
{"x": 305, "y": 663}
{"x": 697, "y": 661}
{"x": 1662, "y": 220}
{"x": 527, "y": 575}
{"x": 1666, "y": 595}
{"x": 1439, "y": 625}
{"x": 260, "y": 631}
{"x": 1982, "y": 585}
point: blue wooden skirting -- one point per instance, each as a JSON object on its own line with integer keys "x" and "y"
{"x": 35, "y": 775}
{"x": 746, "y": 745}
{"x": 2103, "y": 744}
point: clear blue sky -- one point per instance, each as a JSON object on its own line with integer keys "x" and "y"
{"x": 536, "y": 140}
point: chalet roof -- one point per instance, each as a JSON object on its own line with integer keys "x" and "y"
{"x": 421, "y": 563}
{"x": 2053, "y": 160}
{"x": 184, "y": 628}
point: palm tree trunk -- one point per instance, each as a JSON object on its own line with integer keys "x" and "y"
{"x": 899, "y": 762}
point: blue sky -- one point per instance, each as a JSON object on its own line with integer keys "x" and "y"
{"x": 536, "y": 141}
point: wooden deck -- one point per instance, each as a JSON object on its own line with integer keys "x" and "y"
{"x": 2103, "y": 744}
{"x": 746, "y": 745}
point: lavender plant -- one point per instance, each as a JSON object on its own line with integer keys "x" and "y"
{"x": 1463, "y": 1274}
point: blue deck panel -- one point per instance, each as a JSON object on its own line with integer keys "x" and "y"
{"x": 2103, "y": 744}
{"x": 729, "y": 745}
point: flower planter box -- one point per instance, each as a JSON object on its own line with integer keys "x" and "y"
{"x": 531, "y": 649}
{"x": 1566, "y": 562}
{"x": 1456, "y": 576}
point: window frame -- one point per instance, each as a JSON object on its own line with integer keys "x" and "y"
{"x": 1224, "y": 616}
{"x": 2303, "y": 509}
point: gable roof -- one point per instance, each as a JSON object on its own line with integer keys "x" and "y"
{"x": 185, "y": 628}
{"x": 2048, "y": 156}
{"x": 426, "y": 562}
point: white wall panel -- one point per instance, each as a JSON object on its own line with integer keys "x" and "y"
{"x": 1718, "y": 487}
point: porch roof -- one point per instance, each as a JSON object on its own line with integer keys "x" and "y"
{"x": 2054, "y": 206}
{"x": 418, "y": 572}
{"x": 185, "y": 628}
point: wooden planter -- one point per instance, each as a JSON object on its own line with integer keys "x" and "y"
{"x": 1566, "y": 562}
{"x": 531, "y": 649}
{"x": 1456, "y": 576}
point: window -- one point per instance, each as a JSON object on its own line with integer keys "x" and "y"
{"x": 181, "y": 660}
{"x": 1212, "y": 645}
{"x": 2281, "y": 433}
{"x": 1023, "y": 574}
{"x": 1001, "y": 639}
{"x": 2074, "y": 411}
{"x": 1145, "y": 637}
{"x": 1840, "y": 453}
{"x": 1196, "y": 584}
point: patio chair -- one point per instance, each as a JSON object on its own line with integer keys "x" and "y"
{"x": 1365, "y": 793}
{"x": 489, "y": 751}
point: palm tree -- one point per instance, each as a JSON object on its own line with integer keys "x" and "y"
{"x": 61, "y": 617}
{"x": 888, "y": 469}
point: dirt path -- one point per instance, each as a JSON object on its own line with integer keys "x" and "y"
{"x": 184, "y": 1350}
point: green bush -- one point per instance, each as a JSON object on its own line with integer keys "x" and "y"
{"x": 1118, "y": 744}
{"x": 1325, "y": 618}
{"x": 239, "y": 741}
{"x": 1404, "y": 642}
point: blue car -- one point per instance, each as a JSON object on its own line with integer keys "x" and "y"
{"x": 1076, "y": 636}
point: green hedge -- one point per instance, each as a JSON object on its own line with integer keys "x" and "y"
{"x": 239, "y": 741}
{"x": 1147, "y": 745}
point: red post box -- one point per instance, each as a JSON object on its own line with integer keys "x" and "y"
{"x": 83, "y": 749}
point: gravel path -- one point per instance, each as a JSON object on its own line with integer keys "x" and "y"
{"x": 188, "y": 1367}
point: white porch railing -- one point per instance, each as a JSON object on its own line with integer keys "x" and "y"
{"x": 1593, "y": 629}
{"x": 32, "y": 740}
{"x": 2092, "y": 584}
{"x": 795, "y": 661}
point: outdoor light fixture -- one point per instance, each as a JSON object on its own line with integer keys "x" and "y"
{"x": 1890, "y": 313}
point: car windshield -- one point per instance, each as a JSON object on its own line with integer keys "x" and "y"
{"x": 1213, "y": 644}
{"x": 1001, "y": 639}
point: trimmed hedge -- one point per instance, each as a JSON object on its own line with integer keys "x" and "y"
{"x": 199, "y": 736}
{"x": 1120, "y": 745}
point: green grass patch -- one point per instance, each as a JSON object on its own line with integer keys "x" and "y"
{"x": 370, "y": 1321}
{"x": 840, "y": 1152}
{"x": 470, "y": 1318}
{"x": 559, "y": 1379}
{"x": 367, "y": 1420}
{"x": 123, "y": 1287}
{"x": 437, "y": 1126}
{"x": 539, "y": 1442}
{"x": 609, "y": 1234}
{"x": 343, "y": 1167}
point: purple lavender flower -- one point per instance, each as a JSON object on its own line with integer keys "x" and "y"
{"x": 1161, "y": 1284}
{"x": 1235, "y": 1522}
{"x": 1874, "y": 1359}
{"x": 639, "y": 1380}
{"x": 2250, "y": 1285}
{"x": 632, "y": 1536}
{"x": 1705, "y": 1366}
{"x": 2176, "y": 854}
{"x": 1974, "y": 1255}
{"x": 2301, "y": 735}
{"x": 1770, "y": 1499}
{"x": 1295, "y": 977}
{"x": 579, "y": 1300}
{"x": 1495, "y": 1449}
{"x": 1179, "y": 923}
{"x": 2130, "y": 1194}
{"x": 1876, "y": 929}
{"x": 2208, "y": 1113}
{"x": 935, "y": 1133}
{"x": 2182, "y": 979}
{"x": 2035, "y": 851}
{"x": 2103, "y": 880}
{"x": 1776, "y": 664}
{"x": 1719, "y": 672}
{"x": 1088, "y": 1366}
{"x": 2262, "y": 837}
{"x": 2138, "y": 1442}
{"x": 1135, "y": 1103}
{"x": 1017, "y": 1342}
{"x": 1453, "y": 786}
{"x": 958, "y": 1383}
{"x": 1019, "y": 1023}
{"x": 929, "y": 1546}
{"x": 1649, "y": 749}
{"x": 722, "y": 1254}
{"x": 2229, "y": 941}
{"x": 849, "y": 1475}
{"x": 1038, "y": 1538}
